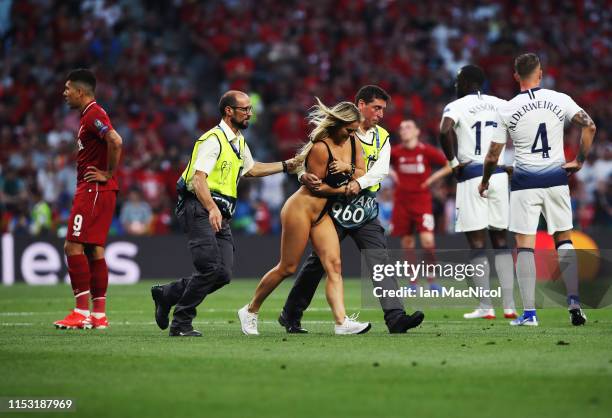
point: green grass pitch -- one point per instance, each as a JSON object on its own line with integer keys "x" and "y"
{"x": 447, "y": 367}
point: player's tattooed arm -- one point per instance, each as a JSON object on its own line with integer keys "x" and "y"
{"x": 490, "y": 163}
{"x": 583, "y": 120}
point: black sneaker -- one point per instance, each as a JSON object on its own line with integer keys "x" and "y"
{"x": 294, "y": 327}
{"x": 162, "y": 309}
{"x": 577, "y": 317}
{"x": 405, "y": 322}
{"x": 176, "y": 332}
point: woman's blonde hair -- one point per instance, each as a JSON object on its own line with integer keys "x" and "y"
{"x": 327, "y": 119}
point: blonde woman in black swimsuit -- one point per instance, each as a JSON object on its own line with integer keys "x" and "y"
{"x": 333, "y": 155}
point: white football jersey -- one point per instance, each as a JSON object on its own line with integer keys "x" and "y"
{"x": 535, "y": 120}
{"x": 476, "y": 118}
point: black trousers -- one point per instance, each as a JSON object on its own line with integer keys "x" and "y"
{"x": 370, "y": 236}
{"x": 212, "y": 255}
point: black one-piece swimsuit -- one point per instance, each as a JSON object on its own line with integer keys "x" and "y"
{"x": 336, "y": 179}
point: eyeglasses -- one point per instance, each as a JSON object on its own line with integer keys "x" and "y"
{"x": 245, "y": 109}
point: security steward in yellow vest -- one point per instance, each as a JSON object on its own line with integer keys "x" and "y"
{"x": 207, "y": 200}
{"x": 358, "y": 218}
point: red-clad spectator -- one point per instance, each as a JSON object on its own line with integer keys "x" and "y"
{"x": 172, "y": 170}
{"x": 290, "y": 130}
{"x": 263, "y": 218}
{"x": 160, "y": 66}
{"x": 150, "y": 180}
{"x": 161, "y": 224}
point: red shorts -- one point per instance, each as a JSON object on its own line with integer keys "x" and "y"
{"x": 407, "y": 218}
{"x": 91, "y": 216}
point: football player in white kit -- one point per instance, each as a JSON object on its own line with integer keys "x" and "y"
{"x": 535, "y": 119}
{"x": 470, "y": 120}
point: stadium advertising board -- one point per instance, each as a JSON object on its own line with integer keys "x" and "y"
{"x": 41, "y": 261}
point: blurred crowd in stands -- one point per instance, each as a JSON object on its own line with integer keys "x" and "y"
{"x": 162, "y": 65}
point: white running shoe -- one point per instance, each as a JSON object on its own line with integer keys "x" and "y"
{"x": 351, "y": 326}
{"x": 510, "y": 314}
{"x": 530, "y": 321}
{"x": 248, "y": 321}
{"x": 480, "y": 313}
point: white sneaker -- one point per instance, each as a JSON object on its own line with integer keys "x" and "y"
{"x": 510, "y": 314}
{"x": 480, "y": 313}
{"x": 351, "y": 326}
{"x": 530, "y": 321}
{"x": 248, "y": 321}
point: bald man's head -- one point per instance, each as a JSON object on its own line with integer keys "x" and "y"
{"x": 235, "y": 108}
{"x": 231, "y": 98}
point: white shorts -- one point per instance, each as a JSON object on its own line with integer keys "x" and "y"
{"x": 474, "y": 212}
{"x": 553, "y": 202}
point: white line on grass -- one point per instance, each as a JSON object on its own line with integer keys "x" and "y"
{"x": 210, "y": 310}
{"x": 131, "y": 323}
{"x": 49, "y": 313}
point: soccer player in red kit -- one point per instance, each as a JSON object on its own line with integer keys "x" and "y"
{"x": 99, "y": 149}
{"x": 412, "y": 162}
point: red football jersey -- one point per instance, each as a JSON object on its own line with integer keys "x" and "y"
{"x": 413, "y": 166}
{"x": 92, "y": 146}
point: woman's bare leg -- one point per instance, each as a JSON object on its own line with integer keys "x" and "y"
{"x": 325, "y": 242}
{"x": 296, "y": 227}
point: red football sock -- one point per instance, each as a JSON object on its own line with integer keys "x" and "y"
{"x": 99, "y": 305}
{"x": 429, "y": 257}
{"x": 410, "y": 257}
{"x": 99, "y": 284}
{"x": 78, "y": 269}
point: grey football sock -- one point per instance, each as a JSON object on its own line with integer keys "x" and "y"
{"x": 504, "y": 265}
{"x": 526, "y": 276}
{"x": 568, "y": 265}
{"x": 479, "y": 257}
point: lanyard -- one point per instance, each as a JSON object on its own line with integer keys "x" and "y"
{"x": 377, "y": 137}
{"x": 236, "y": 151}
